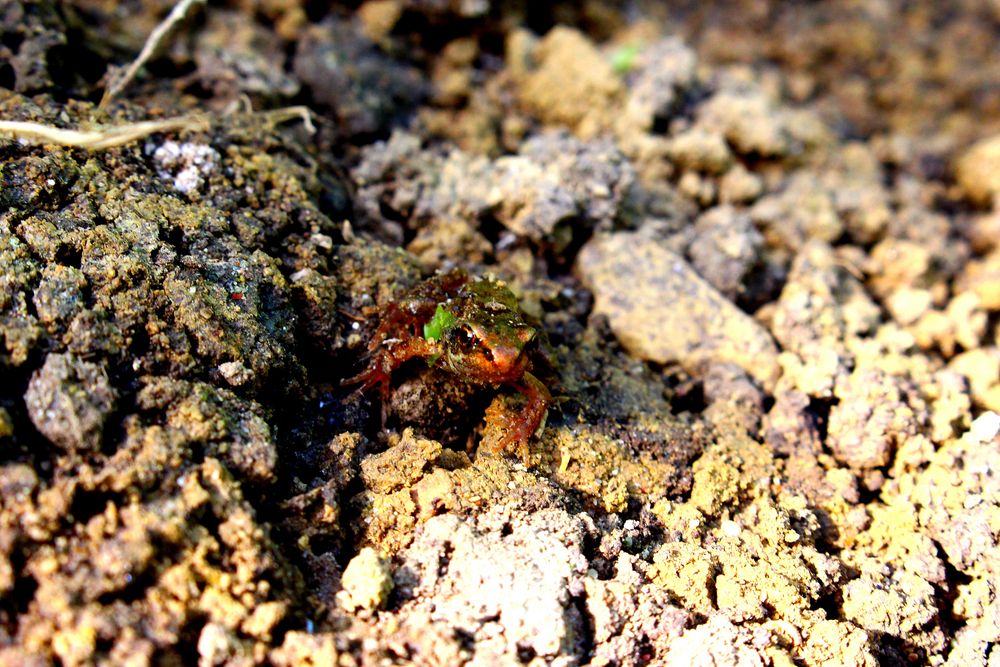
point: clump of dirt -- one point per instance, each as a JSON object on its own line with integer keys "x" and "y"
{"x": 766, "y": 310}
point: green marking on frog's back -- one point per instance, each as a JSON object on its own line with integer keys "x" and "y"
{"x": 441, "y": 322}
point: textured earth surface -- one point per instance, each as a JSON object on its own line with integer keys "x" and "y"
{"x": 761, "y": 241}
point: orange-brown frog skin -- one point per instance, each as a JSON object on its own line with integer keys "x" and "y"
{"x": 471, "y": 328}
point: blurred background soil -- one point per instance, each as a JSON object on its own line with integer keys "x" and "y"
{"x": 762, "y": 240}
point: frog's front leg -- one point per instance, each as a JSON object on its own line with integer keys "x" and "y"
{"x": 390, "y": 355}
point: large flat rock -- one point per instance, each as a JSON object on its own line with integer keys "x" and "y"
{"x": 662, "y": 311}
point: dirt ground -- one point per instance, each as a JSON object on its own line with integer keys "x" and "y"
{"x": 759, "y": 244}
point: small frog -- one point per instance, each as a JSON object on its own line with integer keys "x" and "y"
{"x": 470, "y": 328}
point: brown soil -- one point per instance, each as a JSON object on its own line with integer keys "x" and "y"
{"x": 762, "y": 241}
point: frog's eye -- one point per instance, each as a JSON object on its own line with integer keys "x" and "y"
{"x": 463, "y": 338}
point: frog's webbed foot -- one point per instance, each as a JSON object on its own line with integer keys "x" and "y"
{"x": 365, "y": 380}
{"x": 377, "y": 373}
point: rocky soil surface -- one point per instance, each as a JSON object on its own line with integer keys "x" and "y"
{"x": 762, "y": 244}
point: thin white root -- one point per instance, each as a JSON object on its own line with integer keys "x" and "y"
{"x": 284, "y": 114}
{"x": 118, "y": 81}
{"x": 120, "y": 135}
{"x": 96, "y": 140}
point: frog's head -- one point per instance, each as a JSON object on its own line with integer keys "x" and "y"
{"x": 490, "y": 351}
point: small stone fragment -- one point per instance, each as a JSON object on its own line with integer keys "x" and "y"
{"x": 985, "y": 427}
{"x": 791, "y": 427}
{"x": 897, "y": 605}
{"x": 378, "y": 17}
{"x": 978, "y": 170}
{"x": 664, "y": 72}
{"x": 981, "y": 367}
{"x": 366, "y": 583}
{"x": 264, "y": 618}
{"x": 235, "y": 373}
{"x": 303, "y": 649}
{"x": 69, "y": 400}
{"x": 739, "y": 186}
{"x": 716, "y": 642}
{"x": 403, "y": 463}
{"x": 217, "y": 645}
{"x": 871, "y": 420}
{"x": 838, "y": 642}
{"x": 748, "y": 120}
{"x": 802, "y": 211}
{"x": 701, "y": 150}
{"x": 186, "y": 165}
{"x": 726, "y": 249}
{"x": 982, "y": 277}
{"x": 59, "y": 296}
{"x": 572, "y": 85}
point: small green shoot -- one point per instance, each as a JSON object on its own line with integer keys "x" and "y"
{"x": 623, "y": 58}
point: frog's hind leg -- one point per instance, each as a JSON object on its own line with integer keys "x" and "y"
{"x": 530, "y": 420}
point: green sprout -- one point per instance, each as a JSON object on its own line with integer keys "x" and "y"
{"x": 623, "y": 58}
